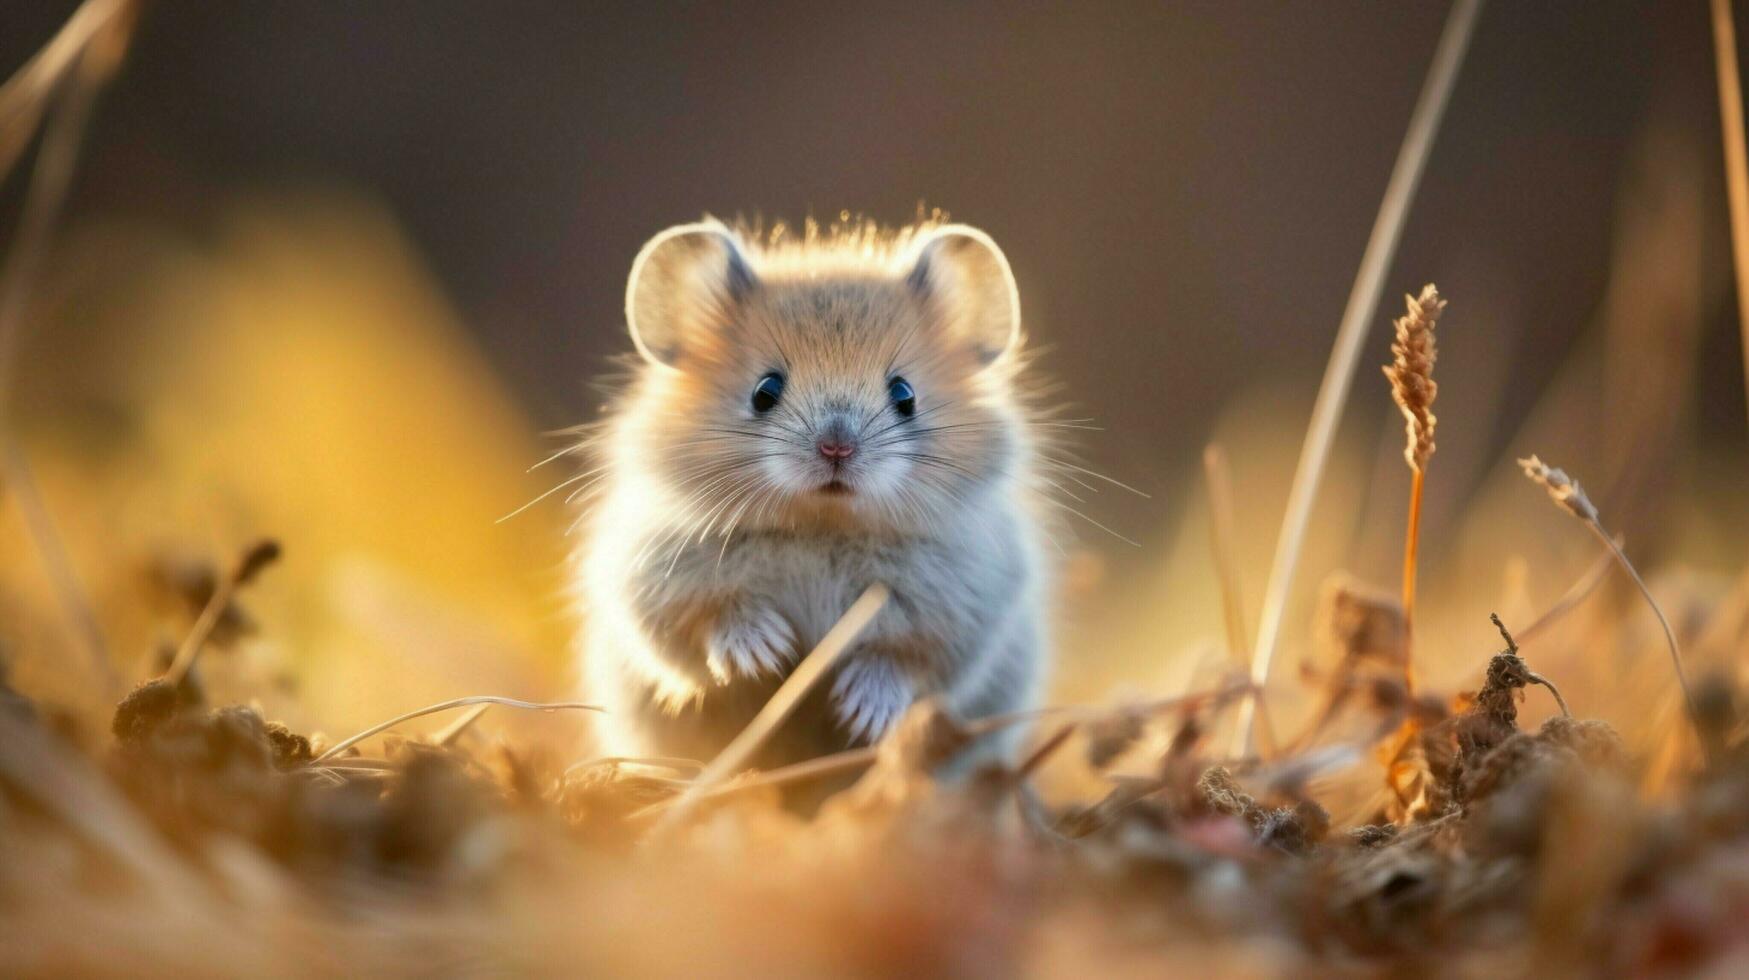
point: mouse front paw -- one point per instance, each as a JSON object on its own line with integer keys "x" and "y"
{"x": 749, "y": 642}
{"x": 869, "y": 696}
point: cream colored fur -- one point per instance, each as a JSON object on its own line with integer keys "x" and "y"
{"x": 712, "y": 558}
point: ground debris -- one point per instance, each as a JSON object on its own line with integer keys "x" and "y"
{"x": 1491, "y": 752}
{"x": 1522, "y": 841}
{"x": 1294, "y": 829}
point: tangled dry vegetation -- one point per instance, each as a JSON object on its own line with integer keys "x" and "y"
{"x": 205, "y": 839}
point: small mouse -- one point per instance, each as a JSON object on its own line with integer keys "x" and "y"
{"x": 807, "y": 417}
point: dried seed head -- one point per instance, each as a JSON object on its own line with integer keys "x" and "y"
{"x": 259, "y": 555}
{"x": 1411, "y": 373}
{"x": 1563, "y": 489}
{"x": 1354, "y": 624}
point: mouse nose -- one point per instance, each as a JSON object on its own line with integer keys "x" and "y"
{"x": 837, "y": 447}
{"x": 836, "y": 439}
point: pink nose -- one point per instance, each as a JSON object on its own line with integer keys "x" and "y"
{"x": 837, "y": 449}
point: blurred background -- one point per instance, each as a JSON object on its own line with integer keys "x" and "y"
{"x": 330, "y": 270}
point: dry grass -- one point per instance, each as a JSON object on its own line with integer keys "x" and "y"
{"x": 255, "y": 558}
{"x": 803, "y": 679}
{"x": 1736, "y": 156}
{"x": 1413, "y": 354}
{"x": 61, "y": 83}
{"x": 219, "y": 843}
{"x": 1570, "y": 496}
{"x": 1407, "y": 828}
{"x": 1363, "y": 300}
{"x": 1414, "y": 390}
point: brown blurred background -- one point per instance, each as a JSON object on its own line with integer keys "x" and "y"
{"x": 1184, "y": 190}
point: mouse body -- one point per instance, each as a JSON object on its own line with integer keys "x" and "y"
{"x": 806, "y": 419}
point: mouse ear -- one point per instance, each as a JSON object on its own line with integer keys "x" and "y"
{"x": 681, "y": 279}
{"x": 962, "y": 269}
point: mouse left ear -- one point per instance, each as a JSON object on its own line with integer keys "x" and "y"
{"x": 681, "y": 280}
{"x": 962, "y": 269}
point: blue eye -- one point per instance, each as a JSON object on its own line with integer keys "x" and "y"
{"x": 903, "y": 397}
{"x": 767, "y": 392}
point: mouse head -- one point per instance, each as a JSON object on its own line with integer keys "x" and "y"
{"x": 851, "y": 378}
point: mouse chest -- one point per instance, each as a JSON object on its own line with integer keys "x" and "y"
{"x": 811, "y": 582}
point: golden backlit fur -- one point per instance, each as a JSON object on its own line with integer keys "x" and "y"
{"x": 721, "y": 543}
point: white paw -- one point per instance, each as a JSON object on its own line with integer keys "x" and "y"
{"x": 869, "y": 695}
{"x": 749, "y": 643}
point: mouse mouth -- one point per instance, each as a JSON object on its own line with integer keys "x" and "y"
{"x": 836, "y": 488}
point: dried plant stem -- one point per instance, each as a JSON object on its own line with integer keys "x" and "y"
{"x": 50, "y": 180}
{"x": 1221, "y": 545}
{"x": 457, "y": 728}
{"x": 851, "y": 760}
{"x": 1736, "y": 159}
{"x": 1414, "y": 353}
{"x": 195, "y": 641}
{"x": 25, "y": 96}
{"x": 1537, "y": 678}
{"x": 1335, "y": 697}
{"x": 1570, "y": 497}
{"x": 1045, "y": 750}
{"x": 1669, "y": 635}
{"x": 432, "y": 709}
{"x": 16, "y": 476}
{"x": 1575, "y": 594}
{"x": 75, "y": 50}
{"x": 256, "y": 557}
{"x": 42, "y": 769}
{"x": 360, "y": 764}
{"x": 1411, "y": 543}
{"x": 675, "y": 763}
{"x": 1363, "y": 302}
{"x": 1220, "y": 484}
{"x": 1533, "y": 676}
{"x": 807, "y": 674}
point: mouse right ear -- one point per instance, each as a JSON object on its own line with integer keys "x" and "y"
{"x": 683, "y": 278}
{"x": 962, "y": 268}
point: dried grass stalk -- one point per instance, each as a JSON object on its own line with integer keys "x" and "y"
{"x": 1363, "y": 301}
{"x": 1413, "y": 389}
{"x": 1411, "y": 373}
{"x": 1736, "y": 158}
{"x": 807, "y": 674}
{"x": 1220, "y": 484}
{"x": 1222, "y": 546}
{"x": 44, "y": 771}
{"x": 1563, "y": 489}
{"x": 851, "y": 760}
{"x": 450, "y": 705}
{"x": 254, "y": 558}
{"x": 456, "y": 729}
{"x": 64, "y": 77}
{"x": 1575, "y": 594}
{"x": 1570, "y": 496}
{"x": 90, "y": 42}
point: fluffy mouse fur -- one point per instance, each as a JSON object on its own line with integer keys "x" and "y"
{"x": 736, "y": 517}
